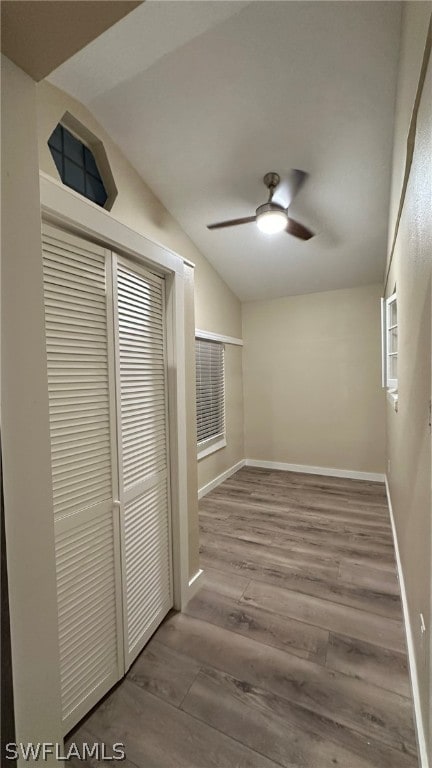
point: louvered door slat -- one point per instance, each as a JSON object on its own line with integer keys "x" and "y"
{"x": 148, "y": 590}
{"x": 144, "y": 492}
{"x": 85, "y": 522}
{"x": 82, "y": 279}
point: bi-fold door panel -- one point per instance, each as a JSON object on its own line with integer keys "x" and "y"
{"x": 78, "y": 375}
{"x": 139, "y": 302}
{"x": 105, "y": 336}
{"x": 147, "y": 568}
{"x": 88, "y": 618}
{"x": 84, "y": 474}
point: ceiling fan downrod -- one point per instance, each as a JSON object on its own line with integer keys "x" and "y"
{"x": 271, "y": 180}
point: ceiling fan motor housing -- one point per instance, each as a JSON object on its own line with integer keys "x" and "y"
{"x": 269, "y": 207}
{"x": 271, "y": 218}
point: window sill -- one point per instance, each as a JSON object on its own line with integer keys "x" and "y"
{"x": 205, "y": 450}
{"x": 393, "y": 398}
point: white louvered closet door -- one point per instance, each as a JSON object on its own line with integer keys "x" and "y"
{"x": 139, "y": 301}
{"x": 78, "y": 318}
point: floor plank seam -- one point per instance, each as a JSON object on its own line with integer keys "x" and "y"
{"x": 314, "y": 660}
{"x": 361, "y": 732}
{"x": 395, "y": 748}
{"x": 180, "y": 706}
{"x": 242, "y": 594}
{"x": 238, "y": 741}
{"x": 346, "y": 605}
{"x": 208, "y": 725}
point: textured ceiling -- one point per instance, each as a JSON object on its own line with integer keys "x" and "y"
{"x": 205, "y": 97}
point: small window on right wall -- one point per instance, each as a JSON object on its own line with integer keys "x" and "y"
{"x": 389, "y": 313}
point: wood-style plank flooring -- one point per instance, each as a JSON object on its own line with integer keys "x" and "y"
{"x": 292, "y": 653}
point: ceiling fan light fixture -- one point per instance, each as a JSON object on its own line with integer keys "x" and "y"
{"x": 272, "y": 216}
{"x": 271, "y": 219}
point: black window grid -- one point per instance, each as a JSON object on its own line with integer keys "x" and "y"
{"x": 81, "y": 166}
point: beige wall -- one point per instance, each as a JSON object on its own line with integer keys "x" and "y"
{"x": 408, "y": 431}
{"x": 312, "y": 380}
{"x": 413, "y": 35}
{"x": 25, "y": 431}
{"x": 216, "y": 308}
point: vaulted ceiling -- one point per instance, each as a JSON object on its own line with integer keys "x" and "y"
{"x": 205, "y": 97}
{"x": 39, "y": 36}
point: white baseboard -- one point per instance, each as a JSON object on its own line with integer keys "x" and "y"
{"x": 374, "y": 477}
{"x": 194, "y": 584}
{"x": 418, "y": 719}
{"x": 220, "y": 478}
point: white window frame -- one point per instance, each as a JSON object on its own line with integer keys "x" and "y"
{"x": 390, "y": 383}
{"x": 214, "y": 442}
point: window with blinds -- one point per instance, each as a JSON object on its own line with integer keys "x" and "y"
{"x": 210, "y": 387}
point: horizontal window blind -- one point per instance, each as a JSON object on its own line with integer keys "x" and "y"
{"x": 210, "y": 387}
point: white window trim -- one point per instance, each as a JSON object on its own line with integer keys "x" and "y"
{"x": 209, "y": 336}
{"x": 388, "y": 383}
{"x": 392, "y": 384}
{"x": 211, "y": 446}
{"x": 96, "y": 146}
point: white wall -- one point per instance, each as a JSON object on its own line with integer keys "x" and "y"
{"x": 25, "y": 431}
{"x": 312, "y": 380}
{"x": 408, "y": 430}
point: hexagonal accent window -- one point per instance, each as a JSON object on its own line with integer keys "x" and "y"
{"x": 76, "y": 165}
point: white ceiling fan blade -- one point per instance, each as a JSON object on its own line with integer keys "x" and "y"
{"x": 288, "y": 187}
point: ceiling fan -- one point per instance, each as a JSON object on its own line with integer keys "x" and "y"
{"x": 272, "y": 216}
